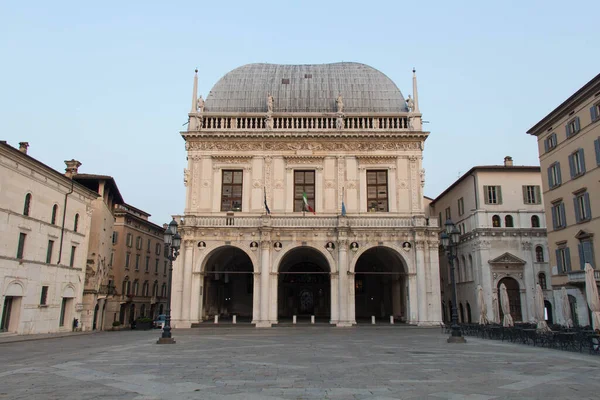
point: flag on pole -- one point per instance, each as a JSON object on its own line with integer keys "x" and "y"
{"x": 266, "y": 205}
{"x": 343, "y": 205}
{"x": 306, "y": 205}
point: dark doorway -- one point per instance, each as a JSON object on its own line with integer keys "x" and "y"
{"x": 95, "y": 316}
{"x": 548, "y": 309}
{"x": 304, "y": 285}
{"x": 228, "y": 285}
{"x": 514, "y": 298}
{"x": 380, "y": 285}
{"x": 6, "y": 311}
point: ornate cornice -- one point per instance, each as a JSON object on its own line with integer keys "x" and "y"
{"x": 295, "y": 145}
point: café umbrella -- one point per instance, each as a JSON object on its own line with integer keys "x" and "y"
{"x": 591, "y": 293}
{"x": 483, "y": 319}
{"x": 495, "y": 309}
{"x": 566, "y": 308}
{"x": 539, "y": 309}
{"x": 507, "y": 320}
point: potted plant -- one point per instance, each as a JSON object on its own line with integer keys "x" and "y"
{"x": 143, "y": 323}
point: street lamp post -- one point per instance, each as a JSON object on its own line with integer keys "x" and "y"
{"x": 450, "y": 239}
{"x": 172, "y": 244}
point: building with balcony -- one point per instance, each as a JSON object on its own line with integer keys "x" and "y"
{"x": 139, "y": 267}
{"x": 98, "y": 271}
{"x": 569, "y": 148}
{"x": 45, "y": 221}
{"x": 304, "y": 198}
{"x": 500, "y": 213}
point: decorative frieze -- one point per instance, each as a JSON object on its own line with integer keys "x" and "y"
{"x": 280, "y": 145}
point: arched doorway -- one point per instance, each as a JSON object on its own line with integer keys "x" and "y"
{"x": 228, "y": 285}
{"x": 468, "y": 313}
{"x": 462, "y": 313}
{"x": 304, "y": 285}
{"x": 514, "y": 298}
{"x": 548, "y": 312}
{"x": 380, "y": 285}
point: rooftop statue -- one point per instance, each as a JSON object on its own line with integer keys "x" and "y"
{"x": 340, "y": 103}
{"x": 410, "y": 103}
{"x": 269, "y": 103}
{"x": 200, "y": 104}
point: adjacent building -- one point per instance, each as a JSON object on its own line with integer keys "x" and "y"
{"x": 304, "y": 197}
{"x": 569, "y": 149}
{"x": 139, "y": 267}
{"x": 500, "y": 213}
{"x": 45, "y": 221}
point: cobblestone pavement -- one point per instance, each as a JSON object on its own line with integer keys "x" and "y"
{"x": 291, "y": 363}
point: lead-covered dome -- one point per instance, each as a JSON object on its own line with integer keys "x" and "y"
{"x": 305, "y": 88}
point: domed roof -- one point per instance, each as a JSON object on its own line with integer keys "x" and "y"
{"x": 305, "y": 88}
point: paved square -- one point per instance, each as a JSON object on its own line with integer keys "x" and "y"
{"x": 302, "y": 362}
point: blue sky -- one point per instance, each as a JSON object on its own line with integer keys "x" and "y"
{"x": 110, "y": 83}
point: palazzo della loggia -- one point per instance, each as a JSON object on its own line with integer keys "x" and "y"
{"x": 304, "y": 201}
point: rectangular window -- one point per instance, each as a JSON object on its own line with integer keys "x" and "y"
{"x": 137, "y": 262}
{"x": 558, "y": 215}
{"x": 149, "y": 244}
{"x": 563, "y": 259}
{"x": 586, "y": 253}
{"x": 165, "y": 269}
{"x": 138, "y": 243}
{"x": 127, "y": 260}
{"x": 461, "y": 206}
{"x": 158, "y": 249}
{"x": 572, "y": 127}
{"x": 49, "y": 252}
{"x": 129, "y": 240}
{"x": 493, "y": 194}
{"x": 63, "y": 310}
{"x": 583, "y": 210}
{"x": 550, "y": 142}
{"x": 44, "y": 296}
{"x": 112, "y": 257}
{"x": 147, "y": 264}
{"x": 21, "y": 246}
{"x": 595, "y": 112}
{"x": 554, "y": 177}
{"x": 304, "y": 182}
{"x": 156, "y": 266}
{"x": 597, "y": 150}
{"x": 72, "y": 259}
{"x": 532, "y": 194}
{"x": 231, "y": 190}
{"x": 577, "y": 163}
{"x": 448, "y": 213}
{"x": 115, "y": 237}
{"x": 377, "y": 191}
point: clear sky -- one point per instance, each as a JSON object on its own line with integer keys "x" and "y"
{"x": 109, "y": 83}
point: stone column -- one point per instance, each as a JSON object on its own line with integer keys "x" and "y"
{"x": 265, "y": 273}
{"x": 256, "y": 297}
{"x": 435, "y": 315}
{"x": 412, "y": 299}
{"x": 187, "y": 284}
{"x": 343, "y": 289}
{"x": 177, "y": 290}
{"x": 196, "y": 297}
{"x": 421, "y": 282}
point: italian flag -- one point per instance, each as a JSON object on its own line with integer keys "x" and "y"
{"x": 308, "y": 207}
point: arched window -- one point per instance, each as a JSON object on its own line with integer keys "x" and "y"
{"x": 542, "y": 280}
{"x": 54, "y": 213}
{"x": 457, "y": 270}
{"x": 164, "y": 290}
{"x": 125, "y": 290}
{"x": 155, "y": 289}
{"x": 27, "y": 205}
{"x": 76, "y": 222}
{"x": 136, "y": 284}
{"x": 535, "y": 221}
{"x": 145, "y": 289}
{"x": 539, "y": 254}
{"x": 464, "y": 270}
{"x": 496, "y": 223}
{"x": 508, "y": 221}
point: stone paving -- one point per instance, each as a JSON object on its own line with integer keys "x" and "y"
{"x": 302, "y": 362}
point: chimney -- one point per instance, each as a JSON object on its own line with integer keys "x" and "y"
{"x": 23, "y": 147}
{"x": 508, "y": 162}
{"x": 72, "y": 166}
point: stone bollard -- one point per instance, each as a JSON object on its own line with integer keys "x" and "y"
{"x": 294, "y": 320}
{"x": 373, "y": 319}
{"x": 216, "y": 319}
{"x": 234, "y": 319}
{"x": 312, "y": 319}
{"x": 391, "y": 320}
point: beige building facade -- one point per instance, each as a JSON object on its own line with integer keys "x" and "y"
{"x": 304, "y": 200}
{"x": 569, "y": 149}
{"x": 139, "y": 267}
{"x": 500, "y": 213}
{"x": 45, "y": 221}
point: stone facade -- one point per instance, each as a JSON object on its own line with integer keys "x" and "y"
{"x": 367, "y": 250}
{"x": 45, "y": 221}
{"x": 503, "y": 240}
{"x": 569, "y": 149}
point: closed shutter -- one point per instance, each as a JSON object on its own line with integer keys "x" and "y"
{"x": 486, "y": 197}
{"x": 562, "y": 214}
{"x": 588, "y": 253}
{"x": 572, "y": 166}
{"x": 559, "y": 263}
{"x": 546, "y": 145}
{"x": 597, "y": 148}
{"x": 524, "y": 194}
{"x": 577, "y": 211}
{"x": 554, "y": 211}
{"x": 499, "y": 194}
{"x": 576, "y": 125}
{"x": 587, "y": 205}
{"x": 550, "y": 180}
{"x": 558, "y": 174}
{"x": 567, "y": 130}
{"x": 594, "y": 113}
{"x": 581, "y": 257}
{"x": 538, "y": 195}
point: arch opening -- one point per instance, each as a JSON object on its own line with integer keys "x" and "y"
{"x": 304, "y": 285}
{"x": 380, "y": 285}
{"x": 228, "y": 288}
